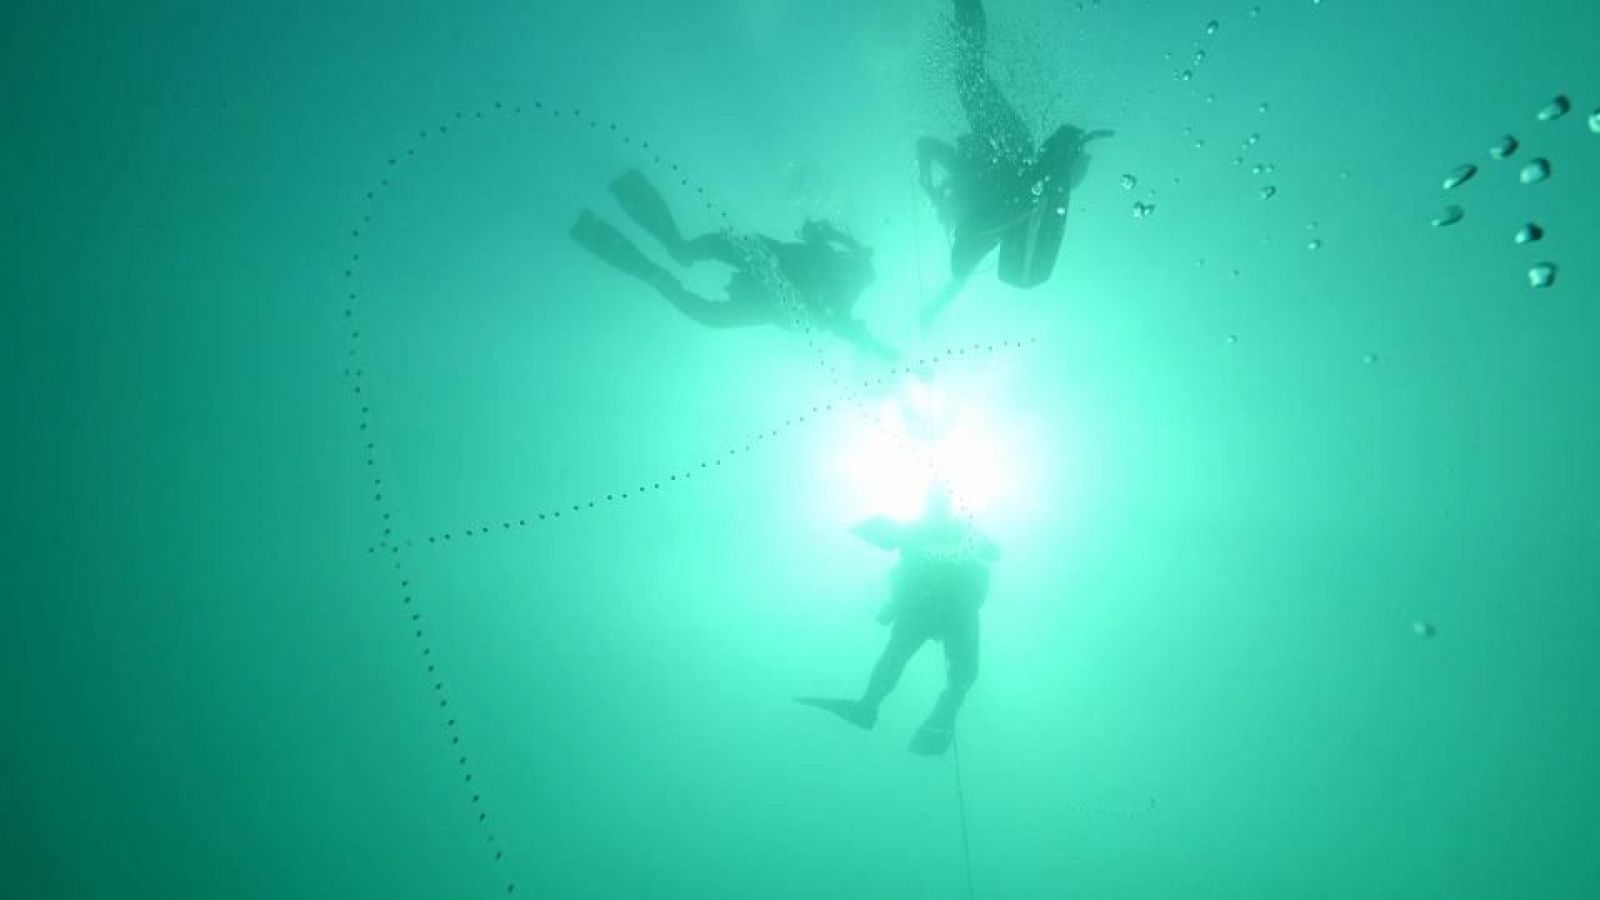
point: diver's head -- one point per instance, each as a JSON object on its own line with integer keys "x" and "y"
{"x": 937, "y": 503}
{"x": 1068, "y": 141}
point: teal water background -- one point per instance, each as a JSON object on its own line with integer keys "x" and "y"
{"x": 1230, "y": 503}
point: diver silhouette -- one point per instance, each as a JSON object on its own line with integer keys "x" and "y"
{"x": 996, "y": 189}
{"x": 827, "y": 268}
{"x": 936, "y": 589}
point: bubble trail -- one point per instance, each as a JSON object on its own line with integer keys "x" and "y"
{"x": 1459, "y": 175}
{"x": 1555, "y": 109}
{"x": 1504, "y": 148}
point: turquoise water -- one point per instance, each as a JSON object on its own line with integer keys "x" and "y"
{"x": 1301, "y": 546}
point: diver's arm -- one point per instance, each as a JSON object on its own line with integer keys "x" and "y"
{"x": 880, "y": 531}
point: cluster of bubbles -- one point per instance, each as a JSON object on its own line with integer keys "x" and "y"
{"x": 1199, "y": 54}
{"x": 1535, "y": 171}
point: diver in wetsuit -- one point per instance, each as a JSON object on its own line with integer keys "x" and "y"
{"x": 996, "y": 189}
{"x": 935, "y": 591}
{"x": 815, "y": 281}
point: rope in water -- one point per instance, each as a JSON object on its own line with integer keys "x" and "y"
{"x": 961, "y": 804}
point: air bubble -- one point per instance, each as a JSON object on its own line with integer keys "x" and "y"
{"x": 1594, "y": 121}
{"x": 1535, "y": 172}
{"x": 1451, "y": 215}
{"x": 1314, "y": 244}
{"x": 1268, "y": 192}
{"x": 1530, "y": 233}
{"x": 1423, "y": 629}
{"x": 1129, "y": 182}
{"x": 1504, "y": 148}
{"x": 1542, "y": 276}
{"x": 1459, "y": 175}
{"x": 1555, "y": 109}
{"x": 1264, "y": 108}
{"x": 1212, "y": 26}
{"x": 1141, "y": 210}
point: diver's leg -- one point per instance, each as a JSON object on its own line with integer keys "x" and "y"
{"x": 716, "y": 246}
{"x": 604, "y": 241}
{"x": 645, "y": 205}
{"x": 961, "y": 658}
{"x": 904, "y": 641}
{"x": 719, "y": 313}
{"x": 988, "y": 114}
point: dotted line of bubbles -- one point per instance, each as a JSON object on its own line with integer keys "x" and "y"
{"x": 759, "y": 261}
{"x": 715, "y": 461}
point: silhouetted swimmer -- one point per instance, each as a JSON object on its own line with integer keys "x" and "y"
{"x": 935, "y": 592}
{"x": 827, "y": 268}
{"x": 996, "y": 189}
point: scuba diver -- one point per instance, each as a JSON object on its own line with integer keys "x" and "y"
{"x": 827, "y": 269}
{"x": 935, "y": 591}
{"x": 995, "y": 188}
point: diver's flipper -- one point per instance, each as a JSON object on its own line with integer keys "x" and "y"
{"x": 600, "y": 238}
{"x": 852, "y": 711}
{"x": 932, "y": 739}
{"x": 644, "y": 204}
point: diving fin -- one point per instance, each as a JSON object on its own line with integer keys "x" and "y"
{"x": 852, "y": 711}
{"x": 645, "y": 205}
{"x": 599, "y": 237}
{"x": 932, "y": 739}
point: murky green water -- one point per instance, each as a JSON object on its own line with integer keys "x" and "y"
{"x": 1295, "y": 490}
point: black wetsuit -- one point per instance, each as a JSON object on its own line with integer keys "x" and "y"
{"x": 935, "y": 592}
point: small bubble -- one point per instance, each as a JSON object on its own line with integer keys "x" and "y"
{"x": 1594, "y": 121}
{"x": 1199, "y": 57}
{"x": 1212, "y": 26}
{"x": 1504, "y": 148}
{"x": 1535, "y": 172}
{"x": 1530, "y": 233}
{"x": 1423, "y": 629}
{"x": 1555, "y": 109}
{"x": 1369, "y": 359}
{"x": 1186, "y": 75}
{"x": 1451, "y": 215}
{"x": 1542, "y": 275}
{"x": 1459, "y": 175}
{"x": 1233, "y": 339}
{"x": 1315, "y": 244}
{"x": 1264, "y": 108}
{"x": 1268, "y": 192}
{"x": 1252, "y": 140}
{"x": 1141, "y": 210}
{"x": 1129, "y": 182}
{"x": 1211, "y": 98}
